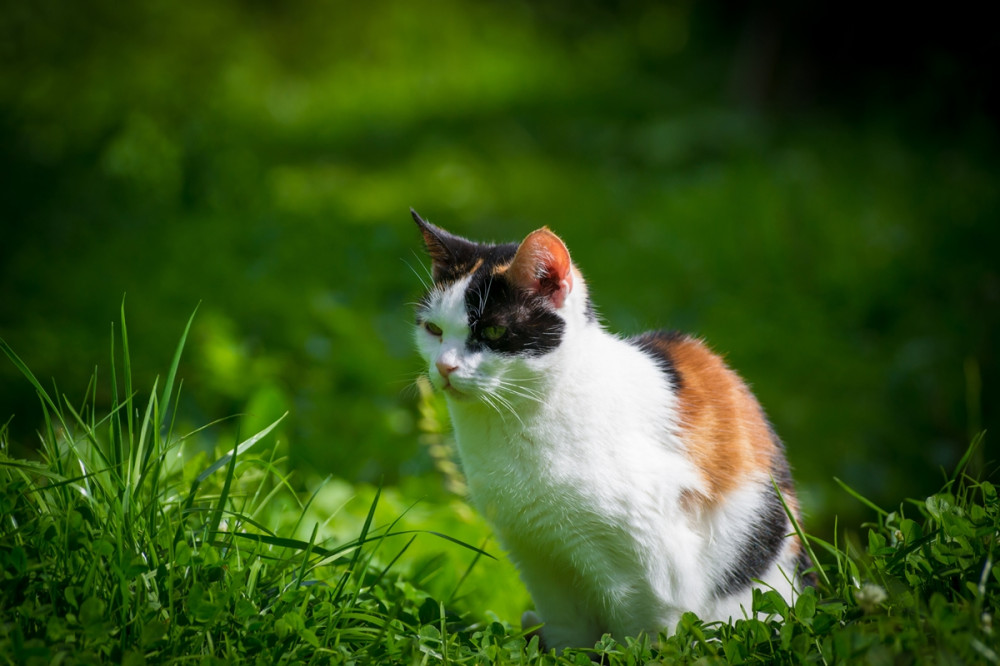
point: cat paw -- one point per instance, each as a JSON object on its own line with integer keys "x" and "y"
{"x": 531, "y": 624}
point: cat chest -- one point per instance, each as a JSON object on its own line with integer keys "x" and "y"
{"x": 539, "y": 492}
{"x": 565, "y": 525}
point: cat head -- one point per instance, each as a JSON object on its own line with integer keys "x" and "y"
{"x": 496, "y": 314}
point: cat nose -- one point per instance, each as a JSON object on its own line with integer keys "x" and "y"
{"x": 445, "y": 368}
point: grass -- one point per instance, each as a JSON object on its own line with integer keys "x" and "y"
{"x": 119, "y": 546}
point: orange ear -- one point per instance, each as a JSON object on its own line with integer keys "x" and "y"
{"x": 542, "y": 265}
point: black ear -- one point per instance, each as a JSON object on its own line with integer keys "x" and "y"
{"x": 451, "y": 255}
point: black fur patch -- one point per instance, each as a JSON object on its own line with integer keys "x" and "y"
{"x": 780, "y": 470}
{"x": 451, "y": 256}
{"x": 656, "y": 344}
{"x": 532, "y": 327}
{"x": 759, "y": 549}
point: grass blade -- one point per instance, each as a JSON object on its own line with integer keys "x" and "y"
{"x": 465, "y": 574}
{"x": 168, "y": 387}
{"x": 305, "y": 556}
{"x": 285, "y": 542}
{"x": 213, "y": 522}
{"x": 967, "y": 456}
{"x": 146, "y": 433}
{"x": 129, "y": 417}
{"x": 24, "y": 370}
{"x": 239, "y": 449}
{"x": 240, "y": 518}
{"x": 116, "y": 421}
{"x": 349, "y": 571}
{"x": 798, "y": 531}
{"x": 861, "y": 498}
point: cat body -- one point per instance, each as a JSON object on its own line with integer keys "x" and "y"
{"x": 630, "y": 480}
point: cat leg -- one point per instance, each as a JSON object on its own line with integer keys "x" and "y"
{"x": 530, "y": 620}
{"x": 640, "y": 611}
{"x": 566, "y": 634}
{"x": 566, "y": 618}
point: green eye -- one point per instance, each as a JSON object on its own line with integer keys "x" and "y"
{"x": 433, "y": 328}
{"x": 494, "y": 332}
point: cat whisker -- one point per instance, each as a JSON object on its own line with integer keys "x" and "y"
{"x": 408, "y": 376}
{"x": 525, "y": 396}
{"x": 497, "y": 403}
{"x": 415, "y": 272}
{"x": 486, "y": 296}
{"x": 489, "y": 401}
{"x": 523, "y": 382}
{"x": 507, "y": 404}
{"x": 520, "y": 392}
{"x": 520, "y": 387}
{"x": 409, "y": 388}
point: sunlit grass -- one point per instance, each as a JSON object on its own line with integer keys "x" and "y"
{"x": 118, "y": 545}
{"x": 112, "y": 549}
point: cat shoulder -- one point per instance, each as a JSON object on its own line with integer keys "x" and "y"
{"x": 724, "y": 428}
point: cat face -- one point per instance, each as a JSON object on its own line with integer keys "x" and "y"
{"x": 494, "y": 313}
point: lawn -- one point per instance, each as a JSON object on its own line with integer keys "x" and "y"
{"x": 125, "y": 542}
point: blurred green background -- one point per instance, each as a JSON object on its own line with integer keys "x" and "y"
{"x": 812, "y": 189}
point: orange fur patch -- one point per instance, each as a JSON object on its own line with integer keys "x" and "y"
{"x": 475, "y": 266}
{"x": 725, "y": 430}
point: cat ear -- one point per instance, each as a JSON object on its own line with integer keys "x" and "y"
{"x": 542, "y": 265}
{"x": 449, "y": 253}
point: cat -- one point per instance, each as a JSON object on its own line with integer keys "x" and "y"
{"x": 629, "y": 479}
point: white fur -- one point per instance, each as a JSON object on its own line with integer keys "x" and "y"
{"x": 573, "y": 457}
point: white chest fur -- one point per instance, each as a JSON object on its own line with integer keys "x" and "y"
{"x": 583, "y": 489}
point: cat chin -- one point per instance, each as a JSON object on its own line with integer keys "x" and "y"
{"x": 452, "y": 392}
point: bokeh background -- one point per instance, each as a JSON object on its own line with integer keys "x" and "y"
{"x": 812, "y": 188}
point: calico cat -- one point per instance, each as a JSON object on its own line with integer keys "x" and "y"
{"x": 629, "y": 479}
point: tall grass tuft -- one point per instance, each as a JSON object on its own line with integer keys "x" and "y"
{"x": 112, "y": 549}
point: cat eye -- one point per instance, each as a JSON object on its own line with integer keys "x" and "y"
{"x": 433, "y": 328}
{"x": 494, "y": 332}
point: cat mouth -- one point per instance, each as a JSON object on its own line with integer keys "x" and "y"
{"x": 450, "y": 390}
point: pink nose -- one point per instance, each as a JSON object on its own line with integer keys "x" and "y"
{"x": 445, "y": 369}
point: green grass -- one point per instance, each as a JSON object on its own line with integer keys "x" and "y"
{"x": 123, "y": 544}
